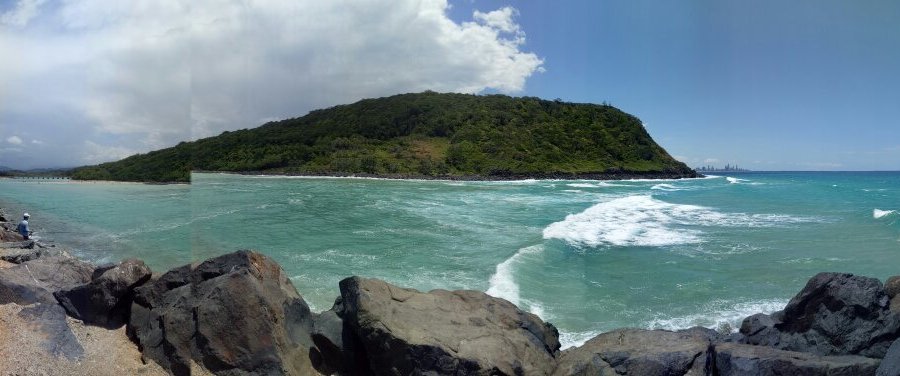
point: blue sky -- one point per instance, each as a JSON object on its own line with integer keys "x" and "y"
{"x": 784, "y": 85}
{"x": 767, "y": 85}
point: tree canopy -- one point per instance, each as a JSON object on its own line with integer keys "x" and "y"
{"x": 418, "y": 135}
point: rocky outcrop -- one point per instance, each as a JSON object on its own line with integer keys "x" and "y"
{"x": 638, "y": 352}
{"x": 892, "y": 286}
{"x": 835, "y": 314}
{"x": 389, "y": 330}
{"x": 746, "y": 360}
{"x": 106, "y": 300}
{"x": 233, "y": 314}
{"x": 35, "y": 281}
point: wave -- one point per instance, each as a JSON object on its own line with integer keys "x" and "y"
{"x": 601, "y": 184}
{"x": 503, "y": 283}
{"x": 641, "y": 220}
{"x": 878, "y": 213}
{"x": 721, "y": 315}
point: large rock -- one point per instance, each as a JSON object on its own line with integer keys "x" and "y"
{"x": 19, "y": 255}
{"x": 236, "y": 314}
{"x": 892, "y": 286}
{"x": 732, "y": 359}
{"x": 890, "y": 366}
{"x": 106, "y": 300}
{"x": 835, "y": 314}
{"x": 36, "y": 280}
{"x": 398, "y": 331}
{"x": 639, "y": 352}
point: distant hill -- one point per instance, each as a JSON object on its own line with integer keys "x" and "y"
{"x": 421, "y": 135}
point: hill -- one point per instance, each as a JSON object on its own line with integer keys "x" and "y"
{"x": 422, "y": 135}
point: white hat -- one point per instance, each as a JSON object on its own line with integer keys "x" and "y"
{"x": 26, "y": 215}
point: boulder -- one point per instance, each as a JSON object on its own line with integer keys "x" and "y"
{"x": 895, "y": 305}
{"x": 236, "y": 314}
{"x": 890, "y": 366}
{"x": 835, "y": 314}
{"x": 399, "y": 331}
{"x": 733, "y": 359}
{"x": 892, "y": 286}
{"x": 36, "y": 280}
{"x": 638, "y": 352}
{"x": 106, "y": 300}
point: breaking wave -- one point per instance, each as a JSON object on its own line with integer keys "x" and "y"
{"x": 642, "y": 220}
{"x": 503, "y": 283}
{"x": 878, "y": 213}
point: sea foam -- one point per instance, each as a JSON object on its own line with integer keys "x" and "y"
{"x": 718, "y": 314}
{"x": 503, "y": 283}
{"x": 641, "y": 220}
{"x": 878, "y": 213}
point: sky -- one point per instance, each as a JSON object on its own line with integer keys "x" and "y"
{"x": 765, "y": 85}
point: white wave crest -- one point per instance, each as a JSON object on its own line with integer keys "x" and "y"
{"x": 878, "y": 213}
{"x": 599, "y": 184}
{"x": 642, "y": 220}
{"x": 719, "y": 315}
{"x": 503, "y": 283}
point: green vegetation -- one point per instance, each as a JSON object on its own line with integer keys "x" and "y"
{"x": 425, "y": 134}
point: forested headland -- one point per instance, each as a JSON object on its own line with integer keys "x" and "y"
{"x": 430, "y": 135}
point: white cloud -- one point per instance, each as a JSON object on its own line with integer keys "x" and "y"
{"x": 93, "y": 153}
{"x": 22, "y": 13}
{"x": 37, "y": 142}
{"x": 150, "y": 73}
{"x": 15, "y": 140}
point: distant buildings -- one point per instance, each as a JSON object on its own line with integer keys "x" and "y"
{"x": 728, "y": 168}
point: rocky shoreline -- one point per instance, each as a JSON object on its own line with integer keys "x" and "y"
{"x": 239, "y": 314}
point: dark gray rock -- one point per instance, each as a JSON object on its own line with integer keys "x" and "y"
{"x": 892, "y": 286}
{"x": 36, "y": 280}
{"x": 106, "y": 300}
{"x": 406, "y": 332}
{"x": 639, "y": 352}
{"x": 732, "y": 359}
{"x": 835, "y": 314}
{"x": 50, "y": 321}
{"x": 236, "y": 314}
{"x": 890, "y": 366}
{"x": 20, "y": 255}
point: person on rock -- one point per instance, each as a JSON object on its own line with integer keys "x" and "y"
{"x": 23, "y": 227}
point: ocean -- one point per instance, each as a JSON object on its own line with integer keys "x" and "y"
{"x": 588, "y": 256}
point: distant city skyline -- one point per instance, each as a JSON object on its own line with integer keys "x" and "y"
{"x": 768, "y": 85}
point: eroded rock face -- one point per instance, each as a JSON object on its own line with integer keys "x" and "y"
{"x": 835, "y": 314}
{"x": 233, "y": 314}
{"x": 398, "y": 331}
{"x": 638, "y": 352}
{"x": 733, "y": 359}
{"x": 106, "y": 299}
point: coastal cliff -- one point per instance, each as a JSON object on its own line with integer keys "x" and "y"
{"x": 238, "y": 314}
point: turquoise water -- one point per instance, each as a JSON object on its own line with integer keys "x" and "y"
{"x": 588, "y": 256}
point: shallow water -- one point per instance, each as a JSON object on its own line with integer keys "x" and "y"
{"x": 588, "y": 256}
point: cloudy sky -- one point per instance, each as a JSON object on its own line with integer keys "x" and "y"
{"x": 806, "y": 86}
